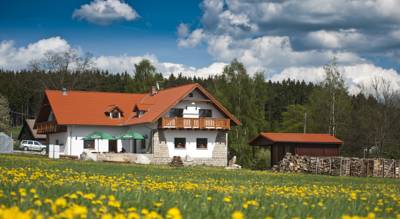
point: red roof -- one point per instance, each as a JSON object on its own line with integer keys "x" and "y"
{"x": 299, "y": 138}
{"x": 88, "y": 108}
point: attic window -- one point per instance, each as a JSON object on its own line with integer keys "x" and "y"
{"x": 190, "y": 94}
{"x": 115, "y": 113}
{"x": 139, "y": 113}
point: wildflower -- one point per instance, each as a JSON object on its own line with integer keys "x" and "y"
{"x": 227, "y": 199}
{"x": 174, "y": 213}
{"x": 237, "y": 215}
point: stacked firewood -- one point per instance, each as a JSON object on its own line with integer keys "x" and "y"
{"x": 176, "y": 162}
{"x": 339, "y": 166}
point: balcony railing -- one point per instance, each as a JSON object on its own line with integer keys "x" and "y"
{"x": 49, "y": 127}
{"x": 194, "y": 123}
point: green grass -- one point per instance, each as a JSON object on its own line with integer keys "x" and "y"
{"x": 198, "y": 192}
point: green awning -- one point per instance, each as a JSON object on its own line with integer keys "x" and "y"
{"x": 99, "y": 135}
{"x": 131, "y": 135}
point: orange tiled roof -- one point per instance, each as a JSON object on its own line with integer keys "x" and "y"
{"x": 88, "y": 108}
{"x": 300, "y": 138}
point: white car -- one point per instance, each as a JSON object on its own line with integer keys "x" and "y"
{"x": 30, "y": 145}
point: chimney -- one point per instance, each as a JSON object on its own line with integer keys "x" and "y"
{"x": 64, "y": 92}
{"x": 153, "y": 90}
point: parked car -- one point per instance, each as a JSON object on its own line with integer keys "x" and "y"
{"x": 30, "y": 145}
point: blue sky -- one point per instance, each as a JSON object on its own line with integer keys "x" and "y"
{"x": 283, "y": 39}
{"x": 26, "y": 21}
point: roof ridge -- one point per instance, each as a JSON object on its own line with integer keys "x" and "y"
{"x": 127, "y": 93}
{"x": 103, "y": 92}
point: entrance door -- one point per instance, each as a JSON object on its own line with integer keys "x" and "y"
{"x": 112, "y": 146}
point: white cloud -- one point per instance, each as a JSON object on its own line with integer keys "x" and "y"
{"x": 105, "y": 12}
{"x": 274, "y": 35}
{"x": 126, "y": 63}
{"x": 192, "y": 39}
{"x": 341, "y": 39}
{"x": 272, "y": 53}
{"x": 183, "y": 30}
{"x": 19, "y": 58}
{"x": 356, "y": 77}
{"x": 249, "y": 51}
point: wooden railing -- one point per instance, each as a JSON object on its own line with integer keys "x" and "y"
{"x": 194, "y": 123}
{"x": 49, "y": 127}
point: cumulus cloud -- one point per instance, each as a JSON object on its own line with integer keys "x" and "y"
{"x": 19, "y": 58}
{"x": 192, "y": 39}
{"x": 356, "y": 77}
{"x": 273, "y": 35}
{"x": 105, "y": 12}
{"x": 272, "y": 53}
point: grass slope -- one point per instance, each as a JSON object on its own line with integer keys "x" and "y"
{"x": 38, "y": 186}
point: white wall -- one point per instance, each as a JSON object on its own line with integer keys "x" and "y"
{"x": 192, "y": 110}
{"x": 191, "y": 147}
{"x": 61, "y": 138}
{"x": 75, "y": 134}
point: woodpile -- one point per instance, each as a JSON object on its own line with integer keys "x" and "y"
{"x": 339, "y": 166}
{"x": 176, "y": 162}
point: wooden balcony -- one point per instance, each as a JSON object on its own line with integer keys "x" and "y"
{"x": 49, "y": 127}
{"x": 194, "y": 123}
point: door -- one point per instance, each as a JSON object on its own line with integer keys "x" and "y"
{"x": 112, "y": 146}
{"x": 30, "y": 145}
{"x": 36, "y": 146}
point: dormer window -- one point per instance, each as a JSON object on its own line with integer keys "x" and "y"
{"x": 140, "y": 109}
{"x": 114, "y": 113}
{"x": 139, "y": 113}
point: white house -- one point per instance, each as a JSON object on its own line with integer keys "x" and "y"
{"x": 184, "y": 121}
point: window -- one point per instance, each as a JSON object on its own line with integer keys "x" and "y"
{"x": 202, "y": 143}
{"x": 205, "y": 113}
{"x": 115, "y": 114}
{"x": 139, "y": 113}
{"x": 180, "y": 142}
{"x": 191, "y": 95}
{"x": 88, "y": 144}
{"x": 175, "y": 112}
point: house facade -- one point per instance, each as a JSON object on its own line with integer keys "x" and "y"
{"x": 185, "y": 121}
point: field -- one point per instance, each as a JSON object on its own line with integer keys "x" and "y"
{"x": 37, "y": 187}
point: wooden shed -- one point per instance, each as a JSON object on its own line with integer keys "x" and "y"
{"x": 297, "y": 143}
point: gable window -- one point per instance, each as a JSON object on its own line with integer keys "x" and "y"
{"x": 175, "y": 112}
{"x": 180, "y": 143}
{"x": 191, "y": 95}
{"x": 88, "y": 144}
{"x": 201, "y": 143}
{"x": 139, "y": 113}
{"x": 205, "y": 113}
{"x": 115, "y": 114}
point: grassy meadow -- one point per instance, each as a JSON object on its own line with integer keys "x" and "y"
{"x": 35, "y": 187}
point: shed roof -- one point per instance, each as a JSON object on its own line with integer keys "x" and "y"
{"x": 312, "y": 138}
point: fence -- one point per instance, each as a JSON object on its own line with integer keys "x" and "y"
{"x": 340, "y": 166}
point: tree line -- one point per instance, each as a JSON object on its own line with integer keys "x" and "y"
{"x": 366, "y": 122}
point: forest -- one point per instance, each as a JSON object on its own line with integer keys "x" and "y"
{"x": 368, "y": 122}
